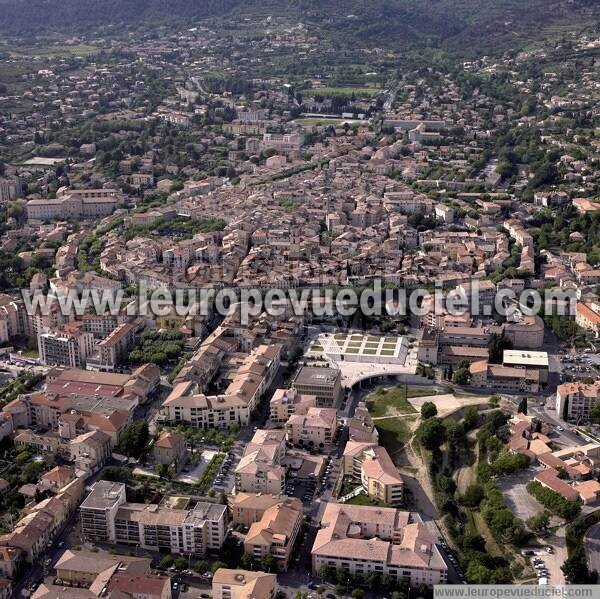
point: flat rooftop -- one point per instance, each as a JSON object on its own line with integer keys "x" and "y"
{"x": 313, "y": 375}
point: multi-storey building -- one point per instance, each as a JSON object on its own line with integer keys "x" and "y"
{"x": 110, "y": 351}
{"x": 247, "y": 508}
{"x": 324, "y": 383}
{"x": 74, "y": 205}
{"x": 243, "y": 584}
{"x": 67, "y": 346}
{"x": 286, "y": 402}
{"x": 574, "y": 401}
{"x": 260, "y": 469}
{"x": 275, "y": 533}
{"x": 107, "y": 517}
{"x": 315, "y": 429}
{"x": 360, "y": 540}
{"x": 371, "y": 466}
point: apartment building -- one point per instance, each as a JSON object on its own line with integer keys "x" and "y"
{"x": 247, "y": 508}
{"x": 99, "y": 509}
{"x": 324, "y": 383}
{"x": 111, "y": 350}
{"x": 588, "y": 317}
{"x": 370, "y": 465}
{"x": 315, "y": 429}
{"x": 286, "y": 402}
{"x": 260, "y": 469}
{"x": 243, "y": 584}
{"x": 380, "y": 477}
{"x": 107, "y": 517}
{"x": 251, "y": 379}
{"x": 360, "y": 539}
{"x": 67, "y": 346}
{"x": 91, "y": 451}
{"x": 574, "y": 401}
{"x": 204, "y": 411}
{"x": 275, "y": 533}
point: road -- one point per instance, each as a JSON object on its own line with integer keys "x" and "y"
{"x": 591, "y": 541}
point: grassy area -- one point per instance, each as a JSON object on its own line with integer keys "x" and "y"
{"x": 345, "y": 91}
{"x": 385, "y": 402}
{"x": 490, "y": 543}
{"x": 55, "y": 51}
{"x": 394, "y": 433}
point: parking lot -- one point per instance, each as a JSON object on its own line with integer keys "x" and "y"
{"x": 540, "y": 558}
{"x": 225, "y": 478}
{"x": 518, "y": 500}
{"x": 308, "y": 490}
{"x": 578, "y": 366}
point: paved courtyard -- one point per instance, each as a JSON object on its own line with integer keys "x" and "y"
{"x": 196, "y": 472}
{"x": 514, "y": 490}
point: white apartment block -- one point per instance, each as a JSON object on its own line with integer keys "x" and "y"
{"x": 107, "y": 517}
{"x": 68, "y": 346}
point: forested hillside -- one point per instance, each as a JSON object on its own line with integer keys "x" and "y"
{"x": 456, "y": 24}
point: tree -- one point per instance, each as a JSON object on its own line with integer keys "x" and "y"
{"x": 496, "y": 346}
{"x": 201, "y": 567}
{"x": 595, "y": 413}
{"x": 135, "y": 438}
{"x": 462, "y": 376}
{"x": 431, "y": 433}
{"x": 575, "y": 567}
{"x": 217, "y": 565}
{"x": 473, "y": 495}
{"x": 268, "y": 563}
{"x": 428, "y": 410}
{"x": 539, "y": 523}
{"x": 180, "y": 563}
{"x": 470, "y": 418}
{"x": 167, "y": 561}
{"x": 358, "y": 594}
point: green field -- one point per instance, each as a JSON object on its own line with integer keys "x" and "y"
{"x": 345, "y": 91}
{"x": 394, "y": 433}
{"x": 380, "y": 402}
{"x": 55, "y": 51}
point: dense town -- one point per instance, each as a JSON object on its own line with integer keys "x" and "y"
{"x": 299, "y": 452}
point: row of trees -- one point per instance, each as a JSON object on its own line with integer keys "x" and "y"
{"x": 553, "y": 501}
